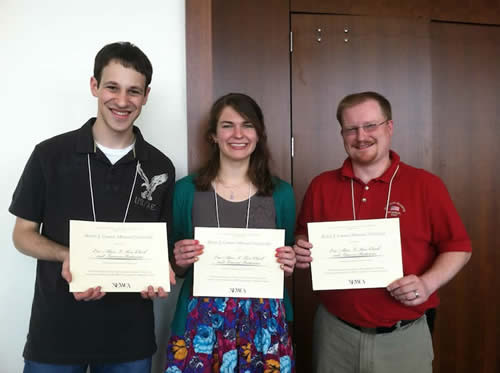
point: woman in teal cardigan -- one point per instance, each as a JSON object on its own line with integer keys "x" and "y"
{"x": 234, "y": 189}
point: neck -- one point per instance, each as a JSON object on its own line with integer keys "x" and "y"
{"x": 233, "y": 173}
{"x": 112, "y": 139}
{"x": 366, "y": 173}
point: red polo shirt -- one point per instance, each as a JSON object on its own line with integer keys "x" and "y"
{"x": 429, "y": 225}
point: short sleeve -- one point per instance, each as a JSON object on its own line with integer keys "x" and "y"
{"x": 28, "y": 201}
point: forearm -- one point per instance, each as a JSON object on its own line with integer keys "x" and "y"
{"x": 28, "y": 240}
{"x": 444, "y": 268}
{"x": 178, "y": 270}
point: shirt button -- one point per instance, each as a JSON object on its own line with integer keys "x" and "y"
{"x": 363, "y": 199}
{"x": 367, "y": 187}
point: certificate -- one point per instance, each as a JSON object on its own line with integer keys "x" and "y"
{"x": 119, "y": 257}
{"x": 355, "y": 254}
{"x": 238, "y": 263}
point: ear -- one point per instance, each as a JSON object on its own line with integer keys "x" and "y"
{"x": 93, "y": 86}
{"x": 390, "y": 126}
{"x": 146, "y": 95}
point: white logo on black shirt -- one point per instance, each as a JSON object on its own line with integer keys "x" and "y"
{"x": 150, "y": 186}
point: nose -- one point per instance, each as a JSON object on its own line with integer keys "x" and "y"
{"x": 121, "y": 99}
{"x": 360, "y": 133}
{"x": 237, "y": 131}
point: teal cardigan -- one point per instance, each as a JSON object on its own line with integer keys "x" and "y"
{"x": 182, "y": 228}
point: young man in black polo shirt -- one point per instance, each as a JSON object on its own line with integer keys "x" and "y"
{"x": 104, "y": 171}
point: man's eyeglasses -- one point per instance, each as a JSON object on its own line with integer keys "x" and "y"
{"x": 368, "y": 128}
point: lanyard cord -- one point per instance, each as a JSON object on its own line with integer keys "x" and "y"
{"x": 92, "y": 190}
{"x": 217, "y": 205}
{"x": 388, "y": 196}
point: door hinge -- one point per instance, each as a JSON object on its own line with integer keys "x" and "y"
{"x": 291, "y": 41}
{"x": 293, "y": 146}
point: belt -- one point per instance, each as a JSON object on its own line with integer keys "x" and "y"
{"x": 378, "y": 329}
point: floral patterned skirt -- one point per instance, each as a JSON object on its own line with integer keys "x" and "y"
{"x": 232, "y": 335}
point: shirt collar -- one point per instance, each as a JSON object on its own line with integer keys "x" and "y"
{"x": 346, "y": 171}
{"x": 85, "y": 141}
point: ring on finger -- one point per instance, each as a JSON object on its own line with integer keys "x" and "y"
{"x": 416, "y": 294}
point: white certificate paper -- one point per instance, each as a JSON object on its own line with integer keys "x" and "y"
{"x": 238, "y": 263}
{"x": 119, "y": 257}
{"x": 355, "y": 254}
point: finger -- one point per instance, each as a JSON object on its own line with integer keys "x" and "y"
{"x": 151, "y": 292}
{"x": 65, "y": 272}
{"x": 305, "y": 244}
{"x": 102, "y": 294}
{"x": 162, "y": 293}
{"x": 83, "y": 295}
{"x": 302, "y": 265}
{"x": 187, "y": 242}
{"x": 96, "y": 294}
{"x": 301, "y": 251}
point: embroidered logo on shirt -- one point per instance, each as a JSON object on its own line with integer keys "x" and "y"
{"x": 150, "y": 185}
{"x": 396, "y": 209}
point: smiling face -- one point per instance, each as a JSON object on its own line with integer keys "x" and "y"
{"x": 120, "y": 96}
{"x": 235, "y": 136}
{"x": 366, "y": 149}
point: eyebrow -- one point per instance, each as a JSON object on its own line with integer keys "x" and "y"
{"x": 231, "y": 122}
{"x": 112, "y": 82}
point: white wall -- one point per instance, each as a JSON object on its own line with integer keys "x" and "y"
{"x": 47, "y": 51}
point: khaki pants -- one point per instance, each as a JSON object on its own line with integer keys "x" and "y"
{"x": 338, "y": 348}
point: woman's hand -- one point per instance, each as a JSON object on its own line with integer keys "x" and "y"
{"x": 286, "y": 257}
{"x": 186, "y": 252}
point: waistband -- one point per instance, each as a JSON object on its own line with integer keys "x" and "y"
{"x": 379, "y": 329}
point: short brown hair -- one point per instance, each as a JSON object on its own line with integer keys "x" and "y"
{"x": 358, "y": 98}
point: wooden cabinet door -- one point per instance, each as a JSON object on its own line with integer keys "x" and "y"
{"x": 336, "y": 55}
{"x": 466, "y": 131}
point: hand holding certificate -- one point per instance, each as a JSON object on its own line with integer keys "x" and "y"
{"x": 355, "y": 254}
{"x": 119, "y": 257}
{"x": 238, "y": 263}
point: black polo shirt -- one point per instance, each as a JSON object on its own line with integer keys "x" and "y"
{"x": 53, "y": 189}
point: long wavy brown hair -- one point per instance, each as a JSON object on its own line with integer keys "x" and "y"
{"x": 258, "y": 171}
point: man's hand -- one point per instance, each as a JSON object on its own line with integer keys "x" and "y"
{"x": 302, "y": 252}
{"x": 150, "y": 292}
{"x": 186, "y": 252}
{"x": 409, "y": 290}
{"x": 90, "y": 294}
{"x": 286, "y": 257}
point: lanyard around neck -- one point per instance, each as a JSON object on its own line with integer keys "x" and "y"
{"x": 217, "y": 205}
{"x": 388, "y": 196}
{"x": 92, "y": 189}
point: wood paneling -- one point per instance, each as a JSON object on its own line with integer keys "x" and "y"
{"x": 388, "y": 8}
{"x": 471, "y": 11}
{"x": 466, "y": 127}
{"x": 251, "y": 55}
{"x": 390, "y": 56}
{"x": 199, "y": 78}
{"x": 243, "y": 46}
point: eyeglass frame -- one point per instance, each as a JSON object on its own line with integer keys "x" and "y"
{"x": 368, "y": 128}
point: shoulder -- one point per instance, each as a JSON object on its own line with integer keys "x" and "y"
{"x": 158, "y": 157}
{"x": 419, "y": 176}
{"x": 187, "y": 182}
{"x": 327, "y": 179}
{"x": 59, "y": 143}
{"x": 184, "y": 187}
{"x": 281, "y": 186}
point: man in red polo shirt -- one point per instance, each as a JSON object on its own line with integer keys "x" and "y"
{"x": 381, "y": 329}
